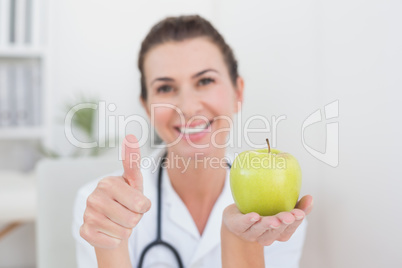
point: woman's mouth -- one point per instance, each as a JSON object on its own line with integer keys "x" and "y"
{"x": 195, "y": 132}
{"x": 194, "y": 129}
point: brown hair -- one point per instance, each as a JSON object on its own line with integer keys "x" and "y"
{"x": 181, "y": 28}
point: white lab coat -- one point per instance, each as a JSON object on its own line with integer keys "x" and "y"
{"x": 178, "y": 229}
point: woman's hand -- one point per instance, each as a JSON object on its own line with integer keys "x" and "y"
{"x": 252, "y": 227}
{"x": 243, "y": 236}
{"x": 117, "y": 204}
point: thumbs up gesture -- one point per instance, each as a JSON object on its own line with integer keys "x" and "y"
{"x": 117, "y": 204}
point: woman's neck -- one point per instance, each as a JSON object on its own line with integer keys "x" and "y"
{"x": 201, "y": 175}
{"x": 198, "y": 181}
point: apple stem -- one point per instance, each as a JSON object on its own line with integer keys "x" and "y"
{"x": 269, "y": 147}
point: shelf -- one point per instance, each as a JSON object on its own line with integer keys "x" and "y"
{"x": 21, "y": 52}
{"x": 21, "y": 133}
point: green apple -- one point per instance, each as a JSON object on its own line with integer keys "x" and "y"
{"x": 265, "y": 181}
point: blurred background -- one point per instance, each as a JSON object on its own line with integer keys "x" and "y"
{"x": 296, "y": 58}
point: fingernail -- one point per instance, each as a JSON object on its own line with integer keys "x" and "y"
{"x": 299, "y": 217}
{"x": 287, "y": 223}
{"x": 312, "y": 203}
{"x": 273, "y": 226}
{"x": 253, "y": 219}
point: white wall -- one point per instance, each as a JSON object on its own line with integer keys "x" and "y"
{"x": 296, "y": 57}
{"x": 361, "y": 65}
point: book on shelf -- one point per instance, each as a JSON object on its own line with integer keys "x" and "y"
{"x": 5, "y": 115}
{"x": 20, "y": 21}
{"x": 20, "y": 94}
{"x": 23, "y": 23}
{"x": 4, "y": 22}
{"x": 37, "y": 92}
{"x": 16, "y": 22}
{"x": 11, "y": 88}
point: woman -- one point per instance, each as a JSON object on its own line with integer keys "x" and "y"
{"x": 191, "y": 89}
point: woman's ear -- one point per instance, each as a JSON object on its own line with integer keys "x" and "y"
{"x": 239, "y": 94}
{"x": 145, "y": 106}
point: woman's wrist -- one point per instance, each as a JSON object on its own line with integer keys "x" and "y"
{"x": 237, "y": 252}
{"x": 117, "y": 257}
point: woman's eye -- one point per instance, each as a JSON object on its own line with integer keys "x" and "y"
{"x": 205, "y": 81}
{"x": 164, "y": 89}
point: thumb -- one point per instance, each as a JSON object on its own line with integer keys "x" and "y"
{"x": 131, "y": 158}
{"x": 305, "y": 204}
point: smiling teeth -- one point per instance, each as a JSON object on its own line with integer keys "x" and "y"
{"x": 194, "y": 130}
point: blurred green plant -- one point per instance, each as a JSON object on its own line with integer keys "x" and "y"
{"x": 83, "y": 121}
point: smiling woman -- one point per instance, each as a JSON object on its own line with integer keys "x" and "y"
{"x": 192, "y": 76}
{"x": 190, "y": 90}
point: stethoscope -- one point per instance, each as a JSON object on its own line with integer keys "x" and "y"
{"x": 158, "y": 241}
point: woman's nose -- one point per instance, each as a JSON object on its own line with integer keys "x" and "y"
{"x": 190, "y": 102}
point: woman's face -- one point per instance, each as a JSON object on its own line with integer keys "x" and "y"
{"x": 191, "y": 99}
